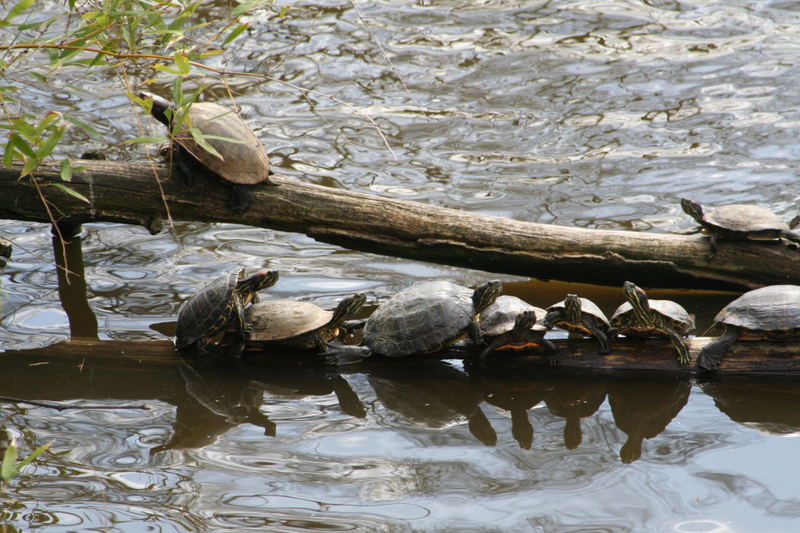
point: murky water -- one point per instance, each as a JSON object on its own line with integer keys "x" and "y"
{"x": 592, "y": 114}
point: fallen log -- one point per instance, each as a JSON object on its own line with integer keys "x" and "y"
{"x": 140, "y": 193}
{"x": 576, "y": 356}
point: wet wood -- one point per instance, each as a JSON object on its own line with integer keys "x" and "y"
{"x": 629, "y": 356}
{"x": 132, "y": 193}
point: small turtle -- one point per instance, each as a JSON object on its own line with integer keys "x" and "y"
{"x": 423, "y": 318}
{"x": 771, "y": 313}
{"x": 739, "y": 222}
{"x": 216, "y": 305}
{"x": 303, "y": 325}
{"x": 242, "y": 163}
{"x": 510, "y": 324}
{"x": 641, "y": 317}
{"x": 580, "y": 315}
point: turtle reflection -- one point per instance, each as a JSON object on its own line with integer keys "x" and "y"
{"x": 770, "y": 407}
{"x": 574, "y": 400}
{"x": 433, "y": 393}
{"x": 643, "y": 409}
{"x": 223, "y": 393}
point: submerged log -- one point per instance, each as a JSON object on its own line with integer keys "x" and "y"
{"x": 580, "y": 356}
{"x": 140, "y": 193}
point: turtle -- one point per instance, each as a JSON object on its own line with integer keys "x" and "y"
{"x": 218, "y": 303}
{"x": 289, "y": 323}
{"x": 739, "y": 222}
{"x": 242, "y": 163}
{"x": 642, "y": 317}
{"x": 510, "y": 323}
{"x": 580, "y": 315}
{"x": 421, "y": 319}
{"x": 771, "y": 313}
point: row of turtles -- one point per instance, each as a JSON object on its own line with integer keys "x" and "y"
{"x": 429, "y": 316}
{"x": 213, "y": 140}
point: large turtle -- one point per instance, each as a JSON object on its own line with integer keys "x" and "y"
{"x": 303, "y": 325}
{"x": 641, "y": 317}
{"x": 580, "y": 315}
{"x": 510, "y": 323}
{"x": 771, "y": 313}
{"x": 739, "y": 222}
{"x": 241, "y": 163}
{"x": 421, "y": 319}
{"x": 217, "y": 304}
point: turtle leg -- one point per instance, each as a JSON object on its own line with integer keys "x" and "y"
{"x": 679, "y": 345}
{"x": 551, "y": 352}
{"x": 602, "y": 339}
{"x": 711, "y": 356}
{"x": 474, "y": 330}
{"x": 484, "y": 355}
{"x": 712, "y": 240}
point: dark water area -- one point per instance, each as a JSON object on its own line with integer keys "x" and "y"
{"x": 581, "y": 113}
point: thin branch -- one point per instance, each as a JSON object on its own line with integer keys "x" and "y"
{"x": 62, "y": 407}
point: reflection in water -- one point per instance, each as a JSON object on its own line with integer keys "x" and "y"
{"x": 643, "y": 409}
{"x": 771, "y": 407}
{"x": 431, "y": 392}
{"x": 574, "y": 400}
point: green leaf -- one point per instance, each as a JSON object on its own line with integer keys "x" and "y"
{"x": 200, "y": 139}
{"x": 164, "y": 68}
{"x": 9, "y": 466}
{"x": 25, "y": 128}
{"x": 182, "y": 62}
{"x": 66, "y": 170}
{"x": 71, "y": 192}
{"x": 18, "y": 9}
{"x": 246, "y": 6}
{"x": 235, "y": 33}
{"x": 15, "y": 142}
{"x": 147, "y": 139}
{"x": 34, "y": 455}
{"x": 283, "y": 12}
{"x": 47, "y": 147}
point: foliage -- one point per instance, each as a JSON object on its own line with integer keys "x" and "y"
{"x": 167, "y": 40}
{"x": 12, "y": 465}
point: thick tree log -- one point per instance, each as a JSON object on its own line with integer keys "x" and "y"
{"x": 629, "y": 356}
{"x": 122, "y": 192}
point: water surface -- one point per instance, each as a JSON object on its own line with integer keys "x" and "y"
{"x": 581, "y": 113}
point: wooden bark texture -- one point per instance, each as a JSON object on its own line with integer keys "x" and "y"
{"x": 139, "y": 193}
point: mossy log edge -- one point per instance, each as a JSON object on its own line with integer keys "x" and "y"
{"x": 629, "y": 357}
{"x": 139, "y": 193}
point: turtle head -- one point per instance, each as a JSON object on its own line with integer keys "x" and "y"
{"x": 256, "y": 282}
{"x": 572, "y": 306}
{"x": 636, "y": 296}
{"x": 486, "y": 294}
{"x": 693, "y": 209}
{"x": 525, "y": 321}
{"x": 162, "y": 109}
{"x": 348, "y": 307}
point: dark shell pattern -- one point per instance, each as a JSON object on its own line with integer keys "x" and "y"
{"x": 420, "y": 319}
{"x": 774, "y": 308}
{"x": 682, "y": 322}
{"x": 207, "y": 312}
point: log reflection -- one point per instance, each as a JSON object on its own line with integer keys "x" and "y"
{"x": 72, "y": 283}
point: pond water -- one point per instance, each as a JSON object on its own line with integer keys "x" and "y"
{"x": 597, "y": 114}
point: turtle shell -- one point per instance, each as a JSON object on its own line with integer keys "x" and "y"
{"x": 588, "y": 307}
{"x": 276, "y": 320}
{"x": 244, "y": 162}
{"x": 420, "y": 319}
{"x": 682, "y": 322}
{"x": 747, "y": 219}
{"x": 775, "y": 308}
{"x": 207, "y": 311}
{"x": 500, "y": 317}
